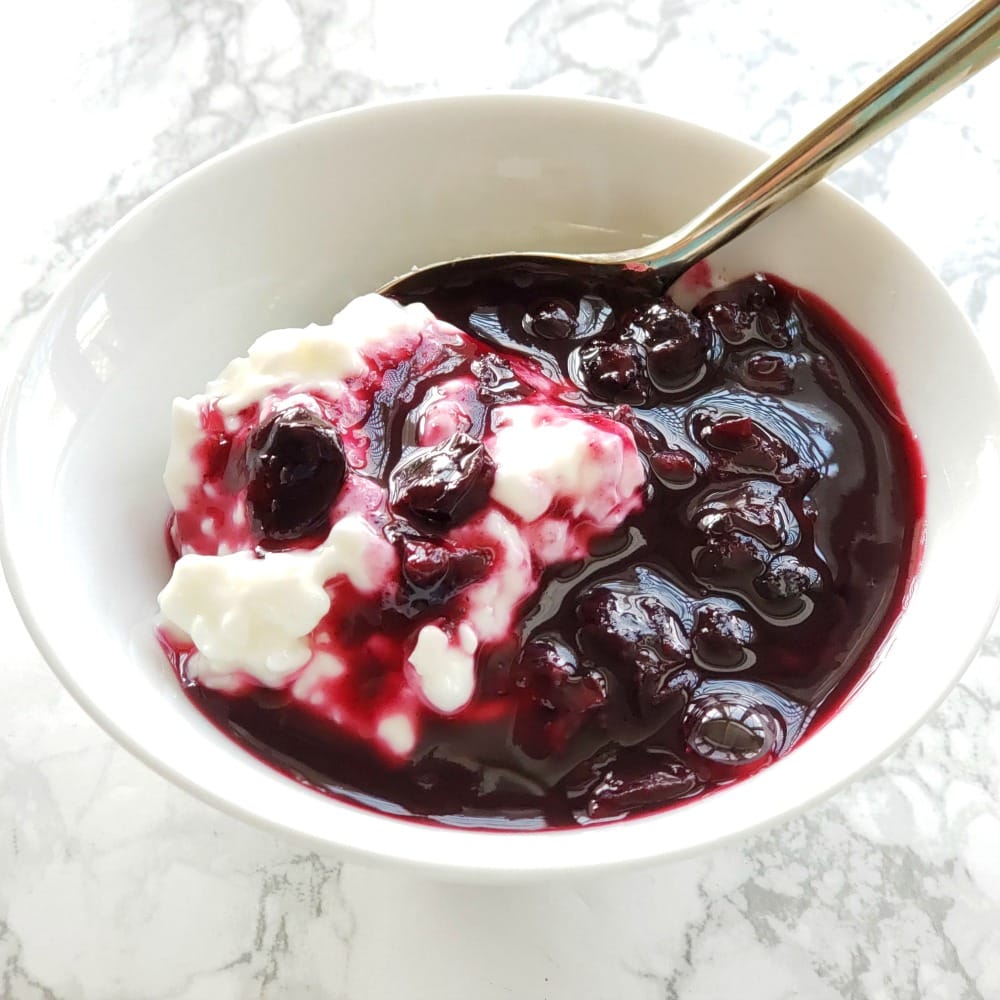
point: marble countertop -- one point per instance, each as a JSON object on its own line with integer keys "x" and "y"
{"x": 114, "y": 884}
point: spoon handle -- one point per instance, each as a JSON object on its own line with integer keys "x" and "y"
{"x": 963, "y": 47}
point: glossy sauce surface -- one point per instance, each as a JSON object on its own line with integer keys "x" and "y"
{"x": 702, "y": 639}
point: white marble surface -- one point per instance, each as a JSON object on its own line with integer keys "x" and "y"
{"x": 113, "y": 884}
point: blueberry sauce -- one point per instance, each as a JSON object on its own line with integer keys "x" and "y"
{"x": 700, "y": 641}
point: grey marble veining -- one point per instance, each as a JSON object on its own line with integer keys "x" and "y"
{"x": 113, "y": 884}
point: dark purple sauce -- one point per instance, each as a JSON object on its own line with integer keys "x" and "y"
{"x": 729, "y": 617}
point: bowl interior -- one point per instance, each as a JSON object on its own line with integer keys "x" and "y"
{"x": 284, "y": 232}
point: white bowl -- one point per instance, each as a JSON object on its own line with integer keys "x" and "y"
{"x": 285, "y": 231}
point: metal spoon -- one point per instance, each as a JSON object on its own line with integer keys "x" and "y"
{"x": 963, "y": 47}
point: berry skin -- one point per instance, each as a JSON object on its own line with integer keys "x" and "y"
{"x": 788, "y": 578}
{"x": 733, "y": 556}
{"x": 552, "y": 319}
{"x": 614, "y": 371}
{"x": 296, "y": 468}
{"x": 641, "y": 782}
{"x": 729, "y": 321}
{"x": 721, "y": 638}
{"x": 438, "y": 571}
{"x": 675, "y": 345}
{"x": 741, "y": 445}
{"x": 558, "y": 693}
{"x": 637, "y": 637}
{"x": 661, "y": 321}
{"x": 548, "y": 670}
{"x": 674, "y": 468}
{"x": 753, "y": 506}
{"x": 496, "y": 381}
{"x": 443, "y": 485}
{"x": 747, "y": 311}
{"x": 730, "y": 433}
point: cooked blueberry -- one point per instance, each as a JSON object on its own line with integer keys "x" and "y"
{"x": 758, "y": 291}
{"x": 674, "y": 467}
{"x": 553, "y": 319}
{"x": 443, "y": 485}
{"x": 752, "y": 293}
{"x": 721, "y": 638}
{"x": 632, "y": 785}
{"x": 664, "y": 321}
{"x": 497, "y": 382}
{"x": 440, "y": 570}
{"x": 730, "y": 557}
{"x": 754, "y": 506}
{"x": 560, "y": 696}
{"x": 787, "y": 577}
{"x": 743, "y": 445}
{"x": 296, "y": 469}
{"x": 674, "y": 363}
{"x": 548, "y": 671}
{"x": 636, "y": 636}
{"x": 748, "y": 310}
{"x": 730, "y": 432}
{"x": 730, "y": 321}
{"x": 613, "y": 371}
{"x": 675, "y": 347}
{"x": 620, "y": 622}
{"x": 775, "y": 329}
{"x": 730, "y": 729}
